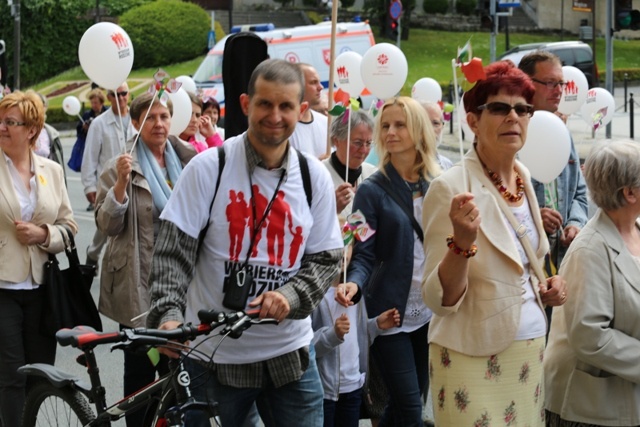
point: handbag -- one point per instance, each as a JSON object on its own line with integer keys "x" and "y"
{"x": 69, "y": 299}
{"x": 75, "y": 161}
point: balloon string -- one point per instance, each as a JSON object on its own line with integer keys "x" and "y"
{"x": 135, "y": 138}
{"x": 455, "y": 91}
{"x": 124, "y": 135}
{"x": 81, "y": 119}
{"x": 346, "y": 170}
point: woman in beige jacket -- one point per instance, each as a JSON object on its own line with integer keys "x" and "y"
{"x": 33, "y": 204}
{"x": 591, "y": 368}
{"x": 133, "y": 190}
{"x": 488, "y": 329}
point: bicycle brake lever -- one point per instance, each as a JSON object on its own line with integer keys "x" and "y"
{"x": 266, "y": 321}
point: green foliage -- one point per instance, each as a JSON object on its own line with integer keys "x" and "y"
{"x": 435, "y": 6}
{"x": 166, "y": 31}
{"x": 49, "y": 36}
{"x": 310, "y": 3}
{"x": 119, "y": 7}
{"x": 466, "y": 7}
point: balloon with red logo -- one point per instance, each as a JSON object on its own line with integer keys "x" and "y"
{"x": 575, "y": 90}
{"x": 384, "y": 70}
{"x": 106, "y": 54}
{"x": 598, "y": 109}
{"x": 71, "y": 105}
{"x": 347, "y": 73}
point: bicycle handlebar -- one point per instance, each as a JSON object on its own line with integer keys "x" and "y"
{"x": 235, "y": 323}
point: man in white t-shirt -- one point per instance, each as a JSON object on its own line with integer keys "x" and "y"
{"x": 261, "y": 193}
{"x": 310, "y": 135}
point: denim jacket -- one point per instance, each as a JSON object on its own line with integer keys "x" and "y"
{"x": 382, "y": 266}
{"x": 572, "y": 195}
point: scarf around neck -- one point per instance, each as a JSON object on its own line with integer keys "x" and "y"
{"x": 354, "y": 174}
{"x": 160, "y": 189}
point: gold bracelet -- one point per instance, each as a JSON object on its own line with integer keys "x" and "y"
{"x": 468, "y": 253}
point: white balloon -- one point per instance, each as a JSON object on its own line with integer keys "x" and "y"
{"x": 182, "y": 110}
{"x": 575, "y": 92}
{"x": 468, "y": 133}
{"x": 71, "y": 105}
{"x": 347, "y": 72}
{"x": 106, "y": 54}
{"x": 598, "y": 108}
{"x": 426, "y": 89}
{"x": 547, "y": 148}
{"x": 188, "y": 83}
{"x": 384, "y": 70}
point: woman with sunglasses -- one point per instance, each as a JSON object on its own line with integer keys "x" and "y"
{"x": 34, "y": 208}
{"x": 388, "y": 266}
{"x": 483, "y": 267}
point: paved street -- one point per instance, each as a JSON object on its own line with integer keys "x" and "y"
{"x": 111, "y": 363}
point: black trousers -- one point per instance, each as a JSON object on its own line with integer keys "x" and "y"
{"x": 22, "y": 341}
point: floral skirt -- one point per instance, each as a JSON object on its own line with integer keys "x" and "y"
{"x": 505, "y": 389}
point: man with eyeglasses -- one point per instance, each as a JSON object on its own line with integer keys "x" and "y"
{"x": 310, "y": 135}
{"x": 563, "y": 202}
{"x": 106, "y": 139}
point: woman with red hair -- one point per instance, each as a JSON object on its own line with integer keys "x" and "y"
{"x": 482, "y": 277}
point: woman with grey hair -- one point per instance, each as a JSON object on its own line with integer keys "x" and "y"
{"x": 591, "y": 362}
{"x": 354, "y": 152}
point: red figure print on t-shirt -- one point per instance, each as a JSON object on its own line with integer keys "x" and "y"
{"x": 261, "y": 203}
{"x": 237, "y": 214}
{"x": 278, "y": 216}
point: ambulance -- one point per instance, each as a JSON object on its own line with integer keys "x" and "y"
{"x": 309, "y": 44}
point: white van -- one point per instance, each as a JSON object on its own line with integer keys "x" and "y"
{"x": 308, "y": 44}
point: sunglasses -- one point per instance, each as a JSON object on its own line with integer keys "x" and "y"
{"x": 550, "y": 85}
{"x": 120, "y": 94}
{"x": 503, "y": 109}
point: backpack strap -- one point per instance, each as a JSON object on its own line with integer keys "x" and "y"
{"x": 221, "y": 161}
{"x": 306, "y": 177}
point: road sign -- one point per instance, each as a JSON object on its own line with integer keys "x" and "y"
{"x": 395, "y": 9}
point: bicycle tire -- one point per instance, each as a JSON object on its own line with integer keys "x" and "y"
{"x": 47, "y": 405}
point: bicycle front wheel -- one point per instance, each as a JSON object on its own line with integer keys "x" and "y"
{"x": 47, "y": 405}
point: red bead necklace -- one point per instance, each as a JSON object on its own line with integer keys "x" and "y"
{"x": 497, "y": 181}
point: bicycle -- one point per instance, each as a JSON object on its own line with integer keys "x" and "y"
{"x": 58, "y": 398}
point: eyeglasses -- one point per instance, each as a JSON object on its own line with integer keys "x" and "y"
{"x": 120, "y": 94}
{"x": 12, "y": 123}
{"x": 437, "y": 123}
{"x": 550, "y": 85}
{"x": 359, "y": 144}
{"x": 503, "y": 109}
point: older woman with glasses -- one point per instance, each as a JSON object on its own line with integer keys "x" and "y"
{"x": 435, "y": 115}
{"x": 34, "y": 208}
{"x": 354, "y": 152}
{"x": 483, "y": 279}
{"x": 591, "y": 362}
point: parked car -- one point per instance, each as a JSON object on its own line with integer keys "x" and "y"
{"x": 574, "y": 53}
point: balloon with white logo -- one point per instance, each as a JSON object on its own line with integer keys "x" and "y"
{"x": 575, "y": 90}
{"x": 71, "y": 105}
{"x": 547, "y": 148}
{"x": 384, "y": 70}
{"x": 182, "y": 109}
{"x": 347, "y": 73}
{"x": 598, "y": 108}
{"x": 106, "y": 54}
{"x": 426, "y": 89}
{"x": 188, "y": 83}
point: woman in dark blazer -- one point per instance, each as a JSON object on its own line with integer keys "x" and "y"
{"x": 388, "y": 266}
